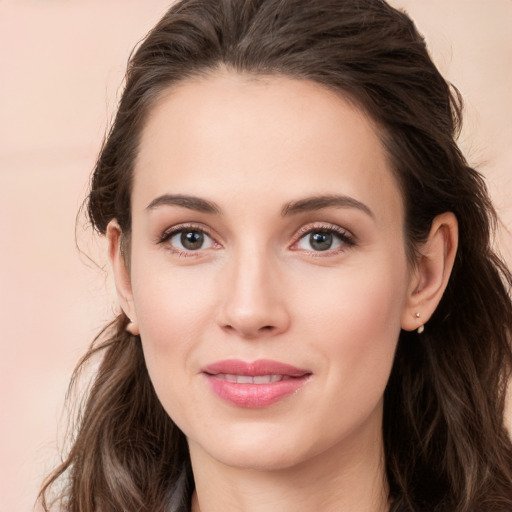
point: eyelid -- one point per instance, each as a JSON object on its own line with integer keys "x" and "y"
{"x": 347, "y": 238}
{"x": 178, "y": 228}
{"x": 344, "y": 234}
{"x": 169, "y": 232}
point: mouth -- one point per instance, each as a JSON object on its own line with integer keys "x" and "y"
{"x": 248, "y": 379}
{"x": 254, "y": 385}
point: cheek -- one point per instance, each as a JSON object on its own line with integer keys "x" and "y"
{"x": 363, "y": 297}
{"x": 173, "y": 309}
{"x": 357, "y": 321}
{"x": 171, "y": 301}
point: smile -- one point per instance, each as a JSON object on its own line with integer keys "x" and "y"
{"x": 254, "y": 385}
{"x": 248, "y": 379}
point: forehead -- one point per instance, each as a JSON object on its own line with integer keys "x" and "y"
{"x": 228, "y": 135}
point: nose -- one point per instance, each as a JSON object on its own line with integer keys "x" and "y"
{"x": 254, "y": 299}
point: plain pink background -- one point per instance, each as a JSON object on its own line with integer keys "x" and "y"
{"x": 61, "y": 67}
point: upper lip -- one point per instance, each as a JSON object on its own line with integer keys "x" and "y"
{"x": 254, "y": 369}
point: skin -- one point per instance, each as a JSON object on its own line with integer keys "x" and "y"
{"x": 258, "y": 289}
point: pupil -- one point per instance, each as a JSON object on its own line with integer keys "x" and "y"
{"x": 192, "y": 239}
{"x": 321, "y": 241}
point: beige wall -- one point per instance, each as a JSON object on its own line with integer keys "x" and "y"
{"x": 61, "y": 63}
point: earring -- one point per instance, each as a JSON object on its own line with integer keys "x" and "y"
{"x": 132, "y": 328}
{"x": 421, "y": 328}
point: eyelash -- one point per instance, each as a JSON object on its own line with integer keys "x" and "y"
{"x": 168, "y": 234}
{"x": 346, "y": 238}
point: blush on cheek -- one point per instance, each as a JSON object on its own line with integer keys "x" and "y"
{"x": 369, "y": 324}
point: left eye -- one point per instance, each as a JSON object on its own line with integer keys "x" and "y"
{"x": 190, "y": 240}
{"x": 320, "y": 240}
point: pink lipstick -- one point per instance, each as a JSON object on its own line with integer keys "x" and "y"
{"x": 254, "y": 385}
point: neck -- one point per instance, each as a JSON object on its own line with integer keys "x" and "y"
{"x": 339, "y": 480}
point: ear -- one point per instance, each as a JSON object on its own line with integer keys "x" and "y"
{"x": 121, "y": 275}
{"x": 432, "y": 272}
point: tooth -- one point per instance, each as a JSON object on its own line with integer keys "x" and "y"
{"x": 244, "y": 379}
{"x": 247, "y": 379}
{"x": 263, "y": 379}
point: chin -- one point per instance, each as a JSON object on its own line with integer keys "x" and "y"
{"x": 258, "y": 459}
{"x": 256, "y": 450}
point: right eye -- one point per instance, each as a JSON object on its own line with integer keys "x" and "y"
{"x": 188, "y": 239}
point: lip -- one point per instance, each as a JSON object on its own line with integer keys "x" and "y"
{"x": 231, "y": 380}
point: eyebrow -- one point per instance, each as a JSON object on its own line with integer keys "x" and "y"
{"x": 321, "y": 202}
{"x": 190, "y": 202}
{"x": 291, "y": 208}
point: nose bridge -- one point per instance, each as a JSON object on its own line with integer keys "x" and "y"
{"x": 254, "y": 303}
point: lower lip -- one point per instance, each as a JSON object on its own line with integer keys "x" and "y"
{"x": 254, "y": 395}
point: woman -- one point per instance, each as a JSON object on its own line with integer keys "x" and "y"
{"x": 312, "y": 314}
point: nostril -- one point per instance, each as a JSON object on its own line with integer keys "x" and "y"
{"x": 249, "y": 332}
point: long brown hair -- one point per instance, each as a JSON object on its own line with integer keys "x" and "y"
{"x": 446, "y": 445}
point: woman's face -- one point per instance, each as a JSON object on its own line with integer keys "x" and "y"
{"x": 268, "y": 273}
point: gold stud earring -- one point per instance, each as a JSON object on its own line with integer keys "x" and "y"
{"x": 421, "y": 328}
